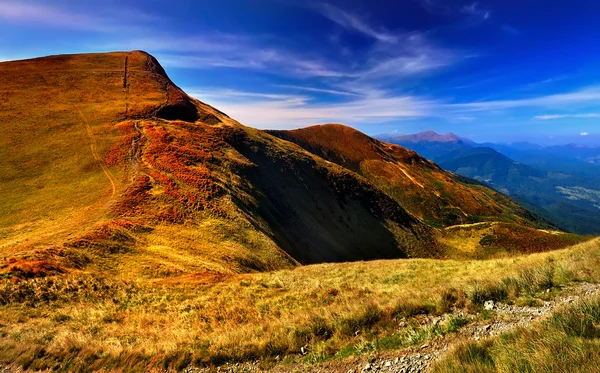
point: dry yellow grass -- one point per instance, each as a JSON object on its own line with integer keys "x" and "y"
{"x": 123, "y": 234}
{"x": 210, "y": 318}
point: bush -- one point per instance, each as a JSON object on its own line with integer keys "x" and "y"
{"x": 579, "y": 321}
{"x": 455, "y": 323}
{"x": 362, "y": 320}
{"x": 409, "y": 309}
{"x": 316, "y": 328}
{"x": 451, "y": 298}
{"x": 480, "y": 293}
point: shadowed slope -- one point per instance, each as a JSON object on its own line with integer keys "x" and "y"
{"x": 109, "y": 165}
{"x": 420, "y": 186}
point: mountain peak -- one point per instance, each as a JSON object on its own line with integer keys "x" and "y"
{"x": 427, "y": 136}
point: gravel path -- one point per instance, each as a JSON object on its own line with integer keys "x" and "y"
{"x": 418, "y": 359}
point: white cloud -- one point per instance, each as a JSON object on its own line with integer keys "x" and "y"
{"x": 100, "y": 20}
{"x": 351, "y": 21}
{"x": 561, "y": 116}
{"x": 474, "y": 10}
{"x": 584, "y": 134}
{"x": 421, "y": 61}
{"x": 267, "y": 110}
{"x": 318, "y": 90}
{"x": 582, "y": 96}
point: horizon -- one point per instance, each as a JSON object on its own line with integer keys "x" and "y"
{"x": 490, "y": 71}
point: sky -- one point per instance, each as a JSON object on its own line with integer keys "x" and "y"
{"x": 500, "y": 71}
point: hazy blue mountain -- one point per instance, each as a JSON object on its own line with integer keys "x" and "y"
{"x": 560, "y": 182}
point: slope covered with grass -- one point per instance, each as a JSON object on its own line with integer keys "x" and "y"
{"x": 425, "y": 190}
{"x": 331, "y": 310}
{"x": 110, "y": 166}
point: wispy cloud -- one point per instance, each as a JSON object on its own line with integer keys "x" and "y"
{"x": 416, "y": 56}
{"x": 267, "y": 110}
{"x": 353, "y": 22}
{"x": 112, "y": 21}
{"x": 584, "y": 134}
{"x": 510, "y": 29}
{"x": 590, "y": 95}
{"x": 562, "y": 116}
{"x": 420, "y": 59}
{"x": 475, "y": 10}
{"x": 276, "y": 110}
{"x": 545, "y": 82}
{"x": 213, "y": 50}
{"x": 318, "y": 90}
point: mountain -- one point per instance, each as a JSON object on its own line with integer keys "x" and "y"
{"x": 109, "y": 167}
{"x": 426, "y": 136}
{"x": 420, "y": 186}
{"x": 104, "y": 155}
{"x": 559, "y": 183}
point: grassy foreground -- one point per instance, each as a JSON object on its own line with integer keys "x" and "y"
{"x": 568, "y": 342}
{"x": 87, "y": 322}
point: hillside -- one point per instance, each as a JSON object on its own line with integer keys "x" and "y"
{"x": 438, "y": 197}
{"x": 109, "y": 165}
{"x": 143, "y": 230}
{"x": 558, "y": 183}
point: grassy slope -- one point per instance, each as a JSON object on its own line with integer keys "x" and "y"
{"x": 495, "y": 239}
{"x": 85, "y": 322}
{"x": 151, "y": 269}
{"x": 420, "y": 186}
{"x": 105, "y": 156}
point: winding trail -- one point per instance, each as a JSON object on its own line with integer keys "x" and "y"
{"x": 94, "y": 150}
{"x": 410, "y": 177}
{"x": 420, "y": 358}
{"x": 90, "y": 135}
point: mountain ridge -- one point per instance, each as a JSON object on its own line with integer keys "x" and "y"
{"x": 559, "y": 182}
{"x": 116, "y": 169}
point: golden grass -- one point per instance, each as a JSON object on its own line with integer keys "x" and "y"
{"x": 209, "y": 318}
{"x": 51, "y": 182}
{"x": 496, "y": 240}
{"x": 149, "y": 277}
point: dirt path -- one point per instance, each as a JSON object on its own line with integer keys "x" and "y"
{"x": 90, "y": 135}
{"x": 419, "y": 359}
{"x": 410, "y": 177}
{"x": 93, "y": 148}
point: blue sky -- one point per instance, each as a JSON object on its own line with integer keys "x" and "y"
{"x": 503, "y": 70}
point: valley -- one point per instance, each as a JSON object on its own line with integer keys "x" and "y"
{"x": 558, "y": 182}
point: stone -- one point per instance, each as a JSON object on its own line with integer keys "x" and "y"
{"x": 388, "y": 364}
{"x": 367, "y": 367}
{"x": 488, "y": 305}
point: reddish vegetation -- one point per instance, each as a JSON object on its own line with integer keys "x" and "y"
{"x": 122, "y": 150}
{"x": 25, "y": 268}
{"x": 175, "y": 157}
{"x": 519, "y": 239}
{"x": 180, "y": 158}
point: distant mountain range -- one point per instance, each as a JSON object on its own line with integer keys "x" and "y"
{"x": 562, "y": 183}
